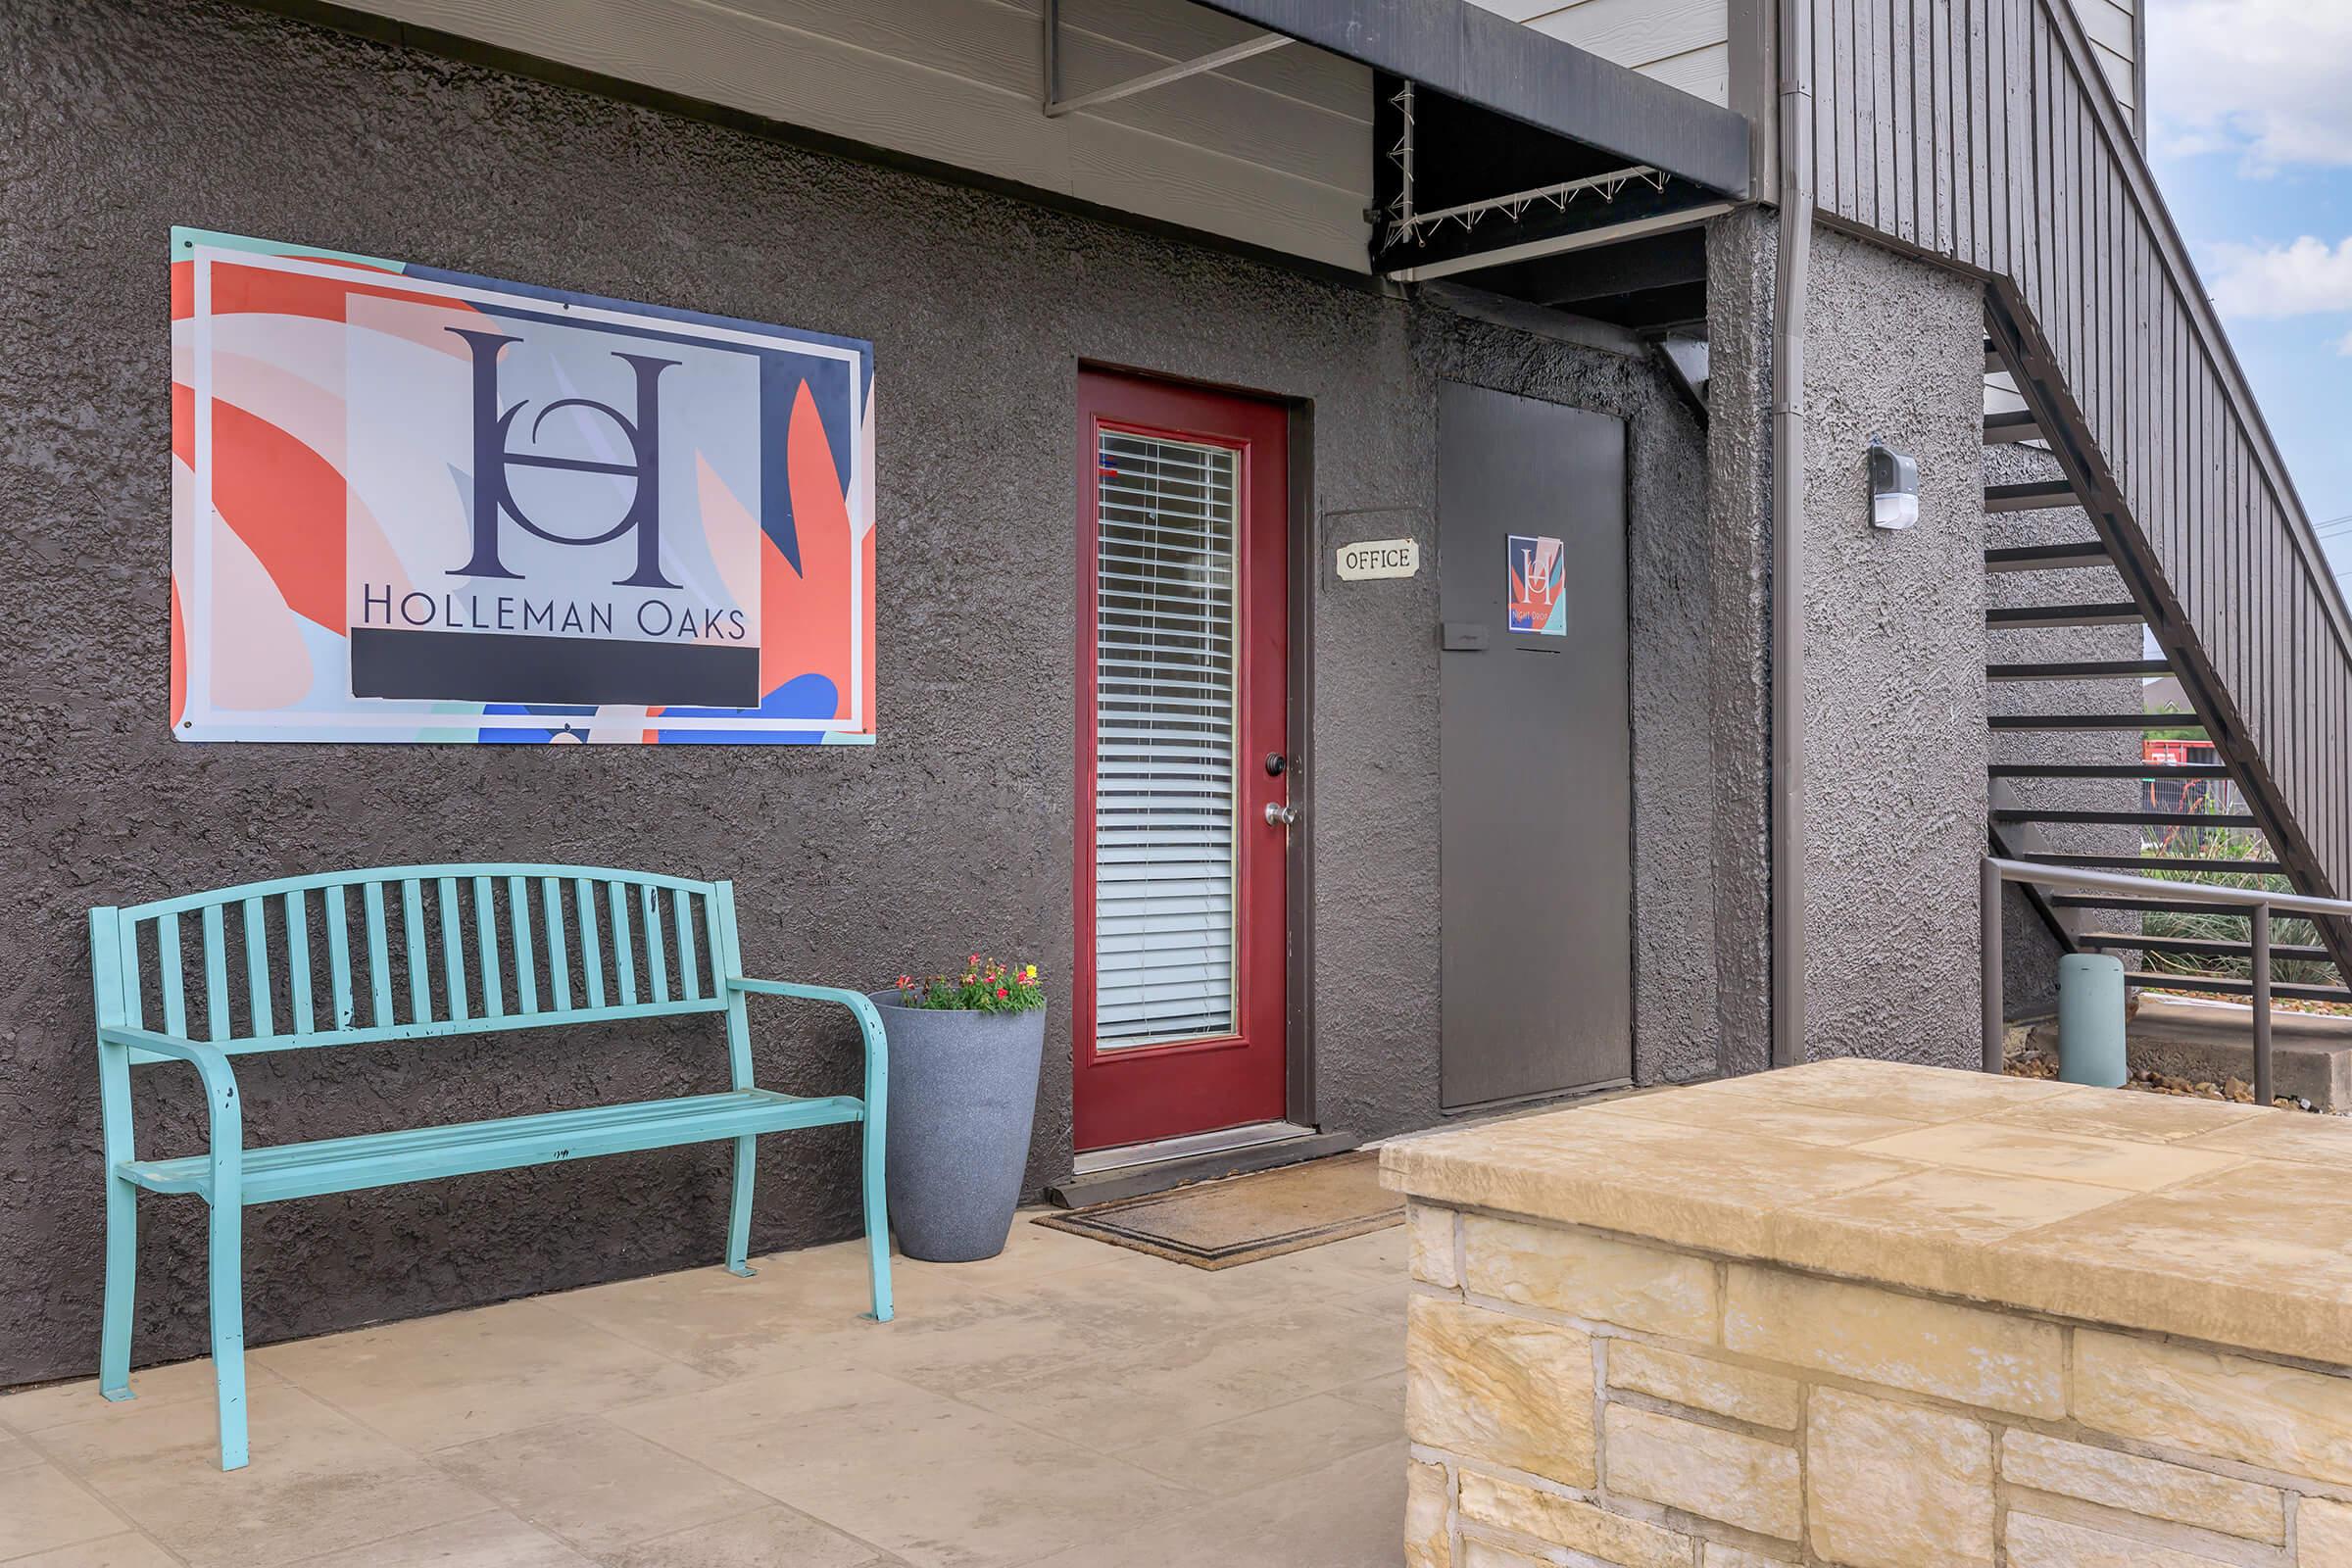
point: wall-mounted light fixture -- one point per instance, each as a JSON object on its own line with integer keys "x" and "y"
{"x": 1893, "y": 487}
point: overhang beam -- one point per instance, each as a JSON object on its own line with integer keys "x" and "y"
{"x": 1482, "y": 59}
{"x": 1513, "y": 206}
{"x": 1055, "y": 105}
{"x": 1558, "y": 244}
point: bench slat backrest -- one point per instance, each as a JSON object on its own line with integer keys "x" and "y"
{"x": 420, "y": 952}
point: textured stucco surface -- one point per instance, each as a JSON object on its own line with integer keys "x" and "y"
{"x": 1740, "y": 264}
{"x": 125, "y": 117}
{"x": 1894, "y": 639}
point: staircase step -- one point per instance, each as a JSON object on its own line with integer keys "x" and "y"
{"x": 2187, "y": 904}
{"x": 2033, "y": 494}
{"x": 1994, "y": 364}
{"x": 2220, "y": 986}
{"x": 2192, "y": 944}
{"x": 2019, "y": 424}
{"x": 2030, "y": 616}
{"x": 2149, "y": 771}
{"x": 2130, "y": 818}
{"x": 2070, "y": 721}
{"x": 2072, "y": 555}
{"x": 2081, "y": 670}
{"x": 2161, "y": 862}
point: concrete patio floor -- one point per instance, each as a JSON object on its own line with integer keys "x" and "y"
{"x": 1067, "y": 1403}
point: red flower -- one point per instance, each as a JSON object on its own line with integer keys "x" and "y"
{"x": 1001, "y": 992}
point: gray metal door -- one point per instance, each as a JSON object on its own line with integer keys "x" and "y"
{"x": 1536, "y": 870}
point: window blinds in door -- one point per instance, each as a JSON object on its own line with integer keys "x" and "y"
{"x": 1165, "y": 736}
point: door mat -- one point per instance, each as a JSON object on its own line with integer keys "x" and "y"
{"x": 1244, "y": 1218}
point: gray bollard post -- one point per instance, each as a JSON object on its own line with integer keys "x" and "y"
{"x": 2091, "y": 1020}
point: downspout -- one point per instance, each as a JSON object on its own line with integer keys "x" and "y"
{"x": 1794, "y": 71}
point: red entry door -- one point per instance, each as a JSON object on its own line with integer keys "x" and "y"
{"x": 1183, "y": 698}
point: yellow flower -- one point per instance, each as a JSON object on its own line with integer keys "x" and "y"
{"x": 1032, "y": 974}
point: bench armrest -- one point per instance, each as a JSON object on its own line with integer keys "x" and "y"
{"x": 220, "y": 1093}
{"x": 869, "y": 1017}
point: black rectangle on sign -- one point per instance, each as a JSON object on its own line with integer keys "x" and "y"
{"x": 458, "y": 667}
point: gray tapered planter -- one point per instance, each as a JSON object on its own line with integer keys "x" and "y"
{"x": 963, "y": 1095}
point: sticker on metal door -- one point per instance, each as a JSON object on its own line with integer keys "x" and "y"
{"x": 1539, "y": 575}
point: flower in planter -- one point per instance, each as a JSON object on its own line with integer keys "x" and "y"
{"x": 986, "y": 985}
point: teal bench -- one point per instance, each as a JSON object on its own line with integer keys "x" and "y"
{"x": 513, "y": 947}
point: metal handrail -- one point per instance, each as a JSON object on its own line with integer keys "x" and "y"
{"x": 1997, "y": 872}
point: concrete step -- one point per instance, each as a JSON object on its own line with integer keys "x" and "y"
{"x": 1159, "y": 1175}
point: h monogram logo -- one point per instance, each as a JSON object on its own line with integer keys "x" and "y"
{"x": 492, "y": 454}
{"x": 1537, "y": 587}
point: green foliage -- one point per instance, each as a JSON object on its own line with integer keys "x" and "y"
{"x": 984, "y": 986}
{"x": 2221, "y": 849}
{"x": 2192, "y": 731}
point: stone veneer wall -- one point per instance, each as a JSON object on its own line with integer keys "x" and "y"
{"x": 1574, "y": 1397}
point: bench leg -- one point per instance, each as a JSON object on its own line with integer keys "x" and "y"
{"x": 739, "y": 1215}
{"x": 229, "y": 1329}
{"x": 877, "y": 1220}
{"x": 121, "y": 1277}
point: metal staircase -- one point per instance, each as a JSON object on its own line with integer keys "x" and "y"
{"x": 2066, "y": 606}
{"x": 2008, "y": 159}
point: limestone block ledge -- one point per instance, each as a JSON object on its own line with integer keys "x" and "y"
{"x": 1830, "y": 1316}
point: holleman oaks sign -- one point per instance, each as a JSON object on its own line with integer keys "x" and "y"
{"x": 417, "y": 505}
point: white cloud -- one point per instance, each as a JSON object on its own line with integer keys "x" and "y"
{"x": 2266, "y": 78}
{"x": 2259, "y": 283}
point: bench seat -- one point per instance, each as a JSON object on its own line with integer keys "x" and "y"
{"x": 408, "y": 956}
{"x": 383, "y": 1160}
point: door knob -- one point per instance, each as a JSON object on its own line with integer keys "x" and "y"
{"x": 1281, "y": 816}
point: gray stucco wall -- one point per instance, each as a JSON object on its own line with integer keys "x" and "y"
{"x": 1742, "y": 261}
{"x": 125, "y": 117}
{"x": 1894, "y": 639}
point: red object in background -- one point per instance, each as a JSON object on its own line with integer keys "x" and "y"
{"x": 2175, "y": 753}
{"x": 1137, "y": 1093}
{"x": 2162, "y": 794}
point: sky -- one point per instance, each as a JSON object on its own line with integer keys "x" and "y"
{"x": 2250, "y": 132}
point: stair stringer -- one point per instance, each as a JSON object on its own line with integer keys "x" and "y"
{"x": 2019, "y": 345}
